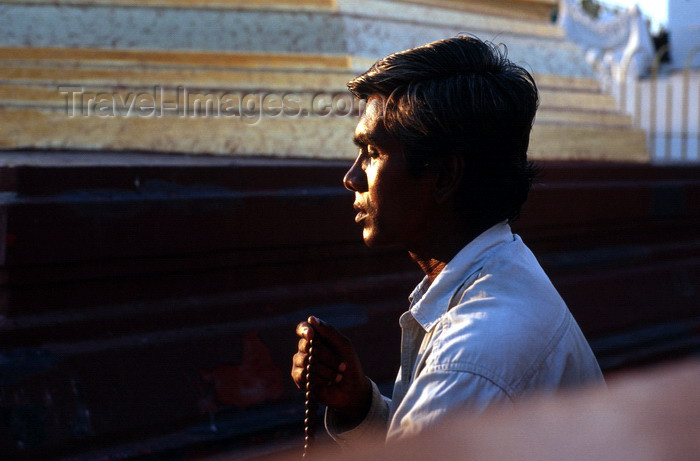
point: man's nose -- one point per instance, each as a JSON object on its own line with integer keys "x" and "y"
{"x": 355, "y": 179}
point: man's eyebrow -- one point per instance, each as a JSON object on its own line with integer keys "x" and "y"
{"x": 362, "y": 140}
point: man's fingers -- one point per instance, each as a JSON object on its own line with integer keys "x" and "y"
{"x": 299, "y": 360}
{"x": 298, "y": 370}
{"x": 322, "y": 375}
{"x": 324, "y": 331}
{"x": 303, "y": 345}
{"x": 322, "y": 353}
{"x": 305, "y": 330}
{"x": 335, "y": 338}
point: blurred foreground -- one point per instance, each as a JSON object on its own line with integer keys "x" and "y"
{"x": 650, "y": 415}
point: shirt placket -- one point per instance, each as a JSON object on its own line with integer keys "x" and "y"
{"x": 411, "y": 338}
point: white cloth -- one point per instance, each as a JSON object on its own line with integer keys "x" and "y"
{"x": 490, "y": 329}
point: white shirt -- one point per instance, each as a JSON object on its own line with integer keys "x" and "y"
{"x": 490, "y": 329}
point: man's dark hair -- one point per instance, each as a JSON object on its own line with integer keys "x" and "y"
{"x": 461, "y": 96}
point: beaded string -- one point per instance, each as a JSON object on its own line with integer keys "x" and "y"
{"x": 311, "y": 407}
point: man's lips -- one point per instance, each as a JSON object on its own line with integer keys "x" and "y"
{"x": 361, "y": 213}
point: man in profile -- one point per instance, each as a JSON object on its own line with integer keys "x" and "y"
{"x": 441, "y": 171}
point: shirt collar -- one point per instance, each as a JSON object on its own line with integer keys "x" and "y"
{"x": 429, "y": 301}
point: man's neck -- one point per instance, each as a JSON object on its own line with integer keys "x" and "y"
{"x": 430, "y": 266}
{"x": 433, "y": 256}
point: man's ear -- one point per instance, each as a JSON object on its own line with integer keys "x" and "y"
{"x": 448, "y": 175}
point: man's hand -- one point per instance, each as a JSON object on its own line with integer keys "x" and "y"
{"x": 337, "y": 379}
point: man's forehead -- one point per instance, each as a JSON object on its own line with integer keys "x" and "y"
{"x": 370, "y": 129}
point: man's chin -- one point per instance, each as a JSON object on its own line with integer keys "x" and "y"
{"x": 374, "y": 241}
{"x": 370, "y": 238}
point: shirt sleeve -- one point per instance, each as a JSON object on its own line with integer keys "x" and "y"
{"x": 374, "y": 424}
{"x": 439, "y": 391}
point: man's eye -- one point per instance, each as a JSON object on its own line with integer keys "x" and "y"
{"x": 372, "y": 152}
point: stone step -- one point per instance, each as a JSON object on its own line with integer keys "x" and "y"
{"x": 192, "y": 78}
{"x": 140, "y": 69}
{"x": 347, "y": 27}
{"x": 187, "y": 59}
{"x": 498, "y": 14}
{"x": 471, "y": 15}
{"x": 589, "y": 119}
{"x": 126, "y": 59}
{"x": 561, "y": 82}
{"x": 483, "y": 16}
{"x": 305, "y": 136}
{"x": 583, "y": 143}
{"x": 37, "y": 85}
{"x": 322, "y": 5}
{"x": 555, "y": 106}
{"x": 576, "y": 100}
{"x": 521, "y": 10}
